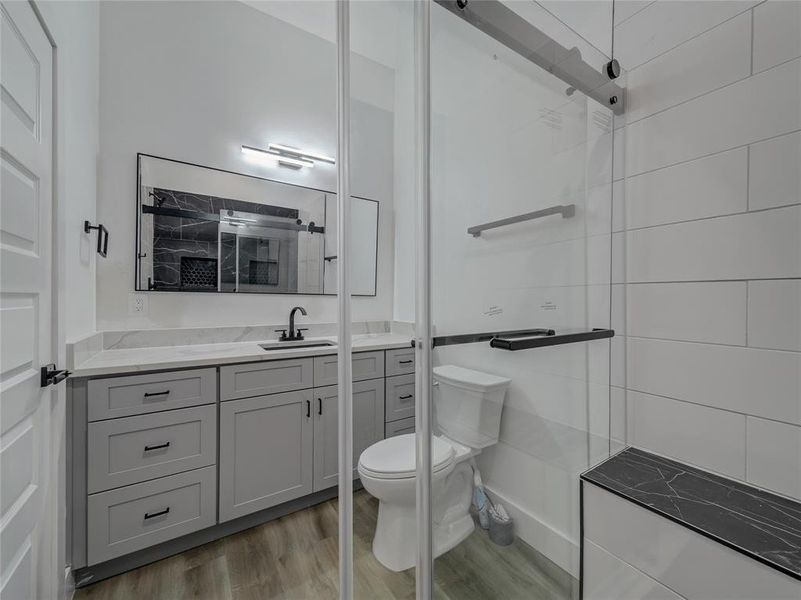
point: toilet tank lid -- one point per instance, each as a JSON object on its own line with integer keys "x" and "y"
{"x": 468, "y": 378}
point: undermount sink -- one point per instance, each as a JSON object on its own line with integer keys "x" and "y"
{"x": 300, "y": 344}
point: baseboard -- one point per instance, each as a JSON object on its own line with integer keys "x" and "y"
{"x": 550, "y": 542}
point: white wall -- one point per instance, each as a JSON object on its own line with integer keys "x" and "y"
{"x": 508, "y": 140}
{"x": 194, "y": 81}
{"x": 713, "y": 240}
{"x": 76, "y": 24}
{"x": 404, "y": 163}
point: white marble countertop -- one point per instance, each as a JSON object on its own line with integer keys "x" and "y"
{"x": 134, "y": 360}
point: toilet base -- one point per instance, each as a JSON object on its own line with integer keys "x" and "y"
{"x": 395, "y": 541}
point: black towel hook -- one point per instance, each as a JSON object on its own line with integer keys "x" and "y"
{"x": 102, "y": 237}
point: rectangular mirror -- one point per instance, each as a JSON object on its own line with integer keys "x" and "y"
{"x": 202, "y": 229}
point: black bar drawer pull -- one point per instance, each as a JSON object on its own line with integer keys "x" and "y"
{"x": 157, "y": 447}
{"x": 155, "y": 394}
{"x": 157, "y": 514}
{"x": 406, "y": 397}
{"x": 405, "y": 362}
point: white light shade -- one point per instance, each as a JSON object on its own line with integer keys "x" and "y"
{"x": 301, "y": 153}
{"x": 274, "y": 158}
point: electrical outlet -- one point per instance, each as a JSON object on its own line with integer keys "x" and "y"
{"x": 137, "y": 304}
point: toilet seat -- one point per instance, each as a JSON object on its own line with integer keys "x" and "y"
{"x": 394, "y": 458}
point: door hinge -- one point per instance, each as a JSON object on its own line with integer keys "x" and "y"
{"x": 51, "y": 376}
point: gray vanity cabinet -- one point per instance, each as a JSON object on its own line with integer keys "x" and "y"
{"x": 266, "y": 446}
{"x": 368, "y": 427}
{"x": 160, "y": 456}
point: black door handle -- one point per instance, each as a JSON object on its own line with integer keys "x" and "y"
{"x": 157, "y": 447}
{"x": 319, "y": 406}
{"x": 157, "y": 514}
{"x": 308, "y": 408}
{"x": 102, "y": 237}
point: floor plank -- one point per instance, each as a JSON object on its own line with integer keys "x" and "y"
{"x": 295, "y": 558}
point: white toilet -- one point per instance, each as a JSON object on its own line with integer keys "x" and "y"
{"x": 468, "y": 409}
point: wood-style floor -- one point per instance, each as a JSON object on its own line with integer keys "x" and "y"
{"x": 295, "y": 557}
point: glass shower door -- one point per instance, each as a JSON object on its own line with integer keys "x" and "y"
{"x": 520, "y": 288}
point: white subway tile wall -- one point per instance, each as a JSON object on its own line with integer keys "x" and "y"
{"x": 713, "y": 236}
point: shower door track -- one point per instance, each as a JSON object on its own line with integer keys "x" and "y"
{"x": 513, "y": 31}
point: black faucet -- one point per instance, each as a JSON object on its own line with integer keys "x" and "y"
{"x": 293, "y": 335}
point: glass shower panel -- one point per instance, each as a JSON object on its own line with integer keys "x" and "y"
{"x": 382, "y": 151}
{"x": 521, "y": 284}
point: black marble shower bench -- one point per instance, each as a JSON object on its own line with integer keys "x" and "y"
{"x": 761, "y": 525}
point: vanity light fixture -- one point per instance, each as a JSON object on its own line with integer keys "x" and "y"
{"x": 301, "y": 154}
{"x": 273, "y": 157}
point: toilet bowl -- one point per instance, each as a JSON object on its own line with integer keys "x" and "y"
{"x": 469, "y": 407}
{"x": 387, "y": 471}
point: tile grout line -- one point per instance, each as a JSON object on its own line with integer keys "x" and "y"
{"x": 713, "y": 344}
{"x": 704, "y": 32}
{"x": 748, "y": 178}
{"x": 725, "y": 410}
{"x": 631, "y": 16}
{"x": 745, "y": 447}
{"x": 752, "y": 39}
{"x": 709, "y": 218}
{"x": 689, "y": 160}
{"x": 712, "y": 91}
{"x": 747, "y": 286}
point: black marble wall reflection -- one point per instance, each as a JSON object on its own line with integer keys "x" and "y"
{"x": 185, "y": 248}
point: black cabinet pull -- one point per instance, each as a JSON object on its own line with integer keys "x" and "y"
{"x": 154, "y": 394}
{"x": 319, "y": 406}
{"x": 405, "y": 362}
{"x": 157, "y": 447}
{"x": 308, "y": 408}
{"x": 157, "y": 514}
{"x": 406, "y": 397}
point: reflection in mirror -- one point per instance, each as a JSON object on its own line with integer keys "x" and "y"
{"x": 208, "y": 230}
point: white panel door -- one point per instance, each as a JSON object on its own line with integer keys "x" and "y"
{"x": 26, "y": 305}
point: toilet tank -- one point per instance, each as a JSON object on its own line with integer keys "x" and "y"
{"x": 468, "y": 405}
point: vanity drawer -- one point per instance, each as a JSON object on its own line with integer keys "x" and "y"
{"x": 140, "y": 394}
{"x": 269, "y": 377}
{"x": 400, "y": 397}
{"x": 400, "y": 361}
{"x": 137, "y": 516}
{"x": 134, "y": 449}
{"x": 399, "y": 427}
{"x": 366, "y": 365}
